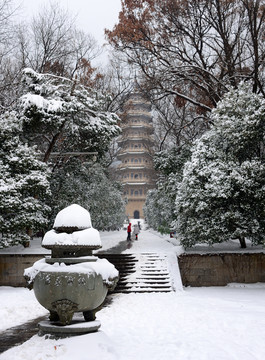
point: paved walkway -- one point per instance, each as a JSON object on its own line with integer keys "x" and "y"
{"x": 17, "y": 335}
{"x": 118, "y": 249}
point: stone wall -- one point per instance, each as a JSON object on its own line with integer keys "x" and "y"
{"x": 221, "y": 269}
{"x": 12, "y": 268}
{"x": 195, "y": 269}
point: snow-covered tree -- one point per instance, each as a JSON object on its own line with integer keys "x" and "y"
{"x": 222, "y": 196}
{"x": 62, "y": 115}
{"x": 23, "y": 185}
{"x": 88, "y": 185}
{"x": 159, "y": 209}
{"x": 159, "y": 205}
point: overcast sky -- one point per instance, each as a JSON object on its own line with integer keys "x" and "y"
{"x": 93, "y": 16}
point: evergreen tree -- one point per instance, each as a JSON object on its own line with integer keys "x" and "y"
{"x": 62, "y": 115}
{"x": 221, "y": 195}
{"x": 160, "y": 205}
{"x": 23, "y": 185}
{"x": 159, "y": 209}
{"x": 88, "y": 185}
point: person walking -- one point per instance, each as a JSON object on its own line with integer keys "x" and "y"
{"x": 129, "y": 230}
{"x": 136, "y": 231}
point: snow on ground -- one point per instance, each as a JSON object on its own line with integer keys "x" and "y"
{"x": 111, "y": 239}
{"x": 228, "y": 246}
{"x": 198, "y": 323}
{"x": 220, "y": 323}
{"x": 152, "y": 241}
{"x": 18, "y": 305}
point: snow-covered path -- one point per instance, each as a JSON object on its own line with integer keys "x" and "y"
{"x": 188, "y": 325}
{"x": 197, "y": 324}
{"x": 224, "y": 323}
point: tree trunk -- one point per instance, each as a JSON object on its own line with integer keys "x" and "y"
{"x": 51, "y": 145}
{"x": 243, "y": 242}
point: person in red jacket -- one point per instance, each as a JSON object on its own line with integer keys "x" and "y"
{"x": 129, "y": 230}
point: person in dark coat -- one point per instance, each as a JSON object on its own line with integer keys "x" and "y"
{"x": 129, "y": 230}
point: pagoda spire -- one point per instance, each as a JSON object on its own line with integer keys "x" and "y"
{"x": 136, "y": 171}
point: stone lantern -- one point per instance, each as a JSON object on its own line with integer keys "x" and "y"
{"x": 72, "y": 280}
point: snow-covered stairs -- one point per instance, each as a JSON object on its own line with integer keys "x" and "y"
{"x": 151, "y": 274}
{"x": 146, "y": 272}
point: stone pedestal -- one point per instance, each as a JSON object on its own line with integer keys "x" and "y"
{"x": 77, "y": 327}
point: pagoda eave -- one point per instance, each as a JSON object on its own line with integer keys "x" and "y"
{"x": 135, "y": 183}
{"x": 143, "y": 167}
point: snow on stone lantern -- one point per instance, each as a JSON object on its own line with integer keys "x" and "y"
{"x": 72, "y": 280}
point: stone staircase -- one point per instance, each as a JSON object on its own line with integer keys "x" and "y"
{"x": 146, "y": 272}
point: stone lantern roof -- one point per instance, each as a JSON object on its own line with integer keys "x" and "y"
{"x": 72, "y": 218}
{"x": 72, "y": 234}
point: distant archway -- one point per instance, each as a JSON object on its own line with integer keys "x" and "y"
{"x": 136, "y": 214}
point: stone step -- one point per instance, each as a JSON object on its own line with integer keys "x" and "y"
{"x": 149, "y": 290}
{"x": 136, "y": 289}
{"x": 155, "y": 283}
{"x": 156, "y": 273}
{"x": 145, "y": 286}
{"x": 146, "y": 272}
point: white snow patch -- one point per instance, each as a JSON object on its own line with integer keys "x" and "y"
{"x": 18, "y": 305}
{"x": 73, "y": 216}
{"x": 101, "y": 267}
{"x": 199, "y": 323}
{"x": 89, "y": 237}
{"x": 52, "y": 105}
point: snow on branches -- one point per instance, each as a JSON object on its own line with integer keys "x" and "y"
{"x": 60, "y": 114}
{"x": 221, "y": 196}
{"x": 23, "y": 185}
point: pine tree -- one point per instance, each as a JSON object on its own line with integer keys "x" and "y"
{"x": 23, "y": 185}
{"x": 160, "y": 205}
{"x": 221, "y": 196}
{"x": 159, "y": 209}
{"x": 88, "y": 185}
{"x": 60, "y": 114}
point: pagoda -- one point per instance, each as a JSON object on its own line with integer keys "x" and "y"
{"x": 136, "y": 148}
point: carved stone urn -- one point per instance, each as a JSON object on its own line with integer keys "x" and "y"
{"x": 72, "y": 280}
